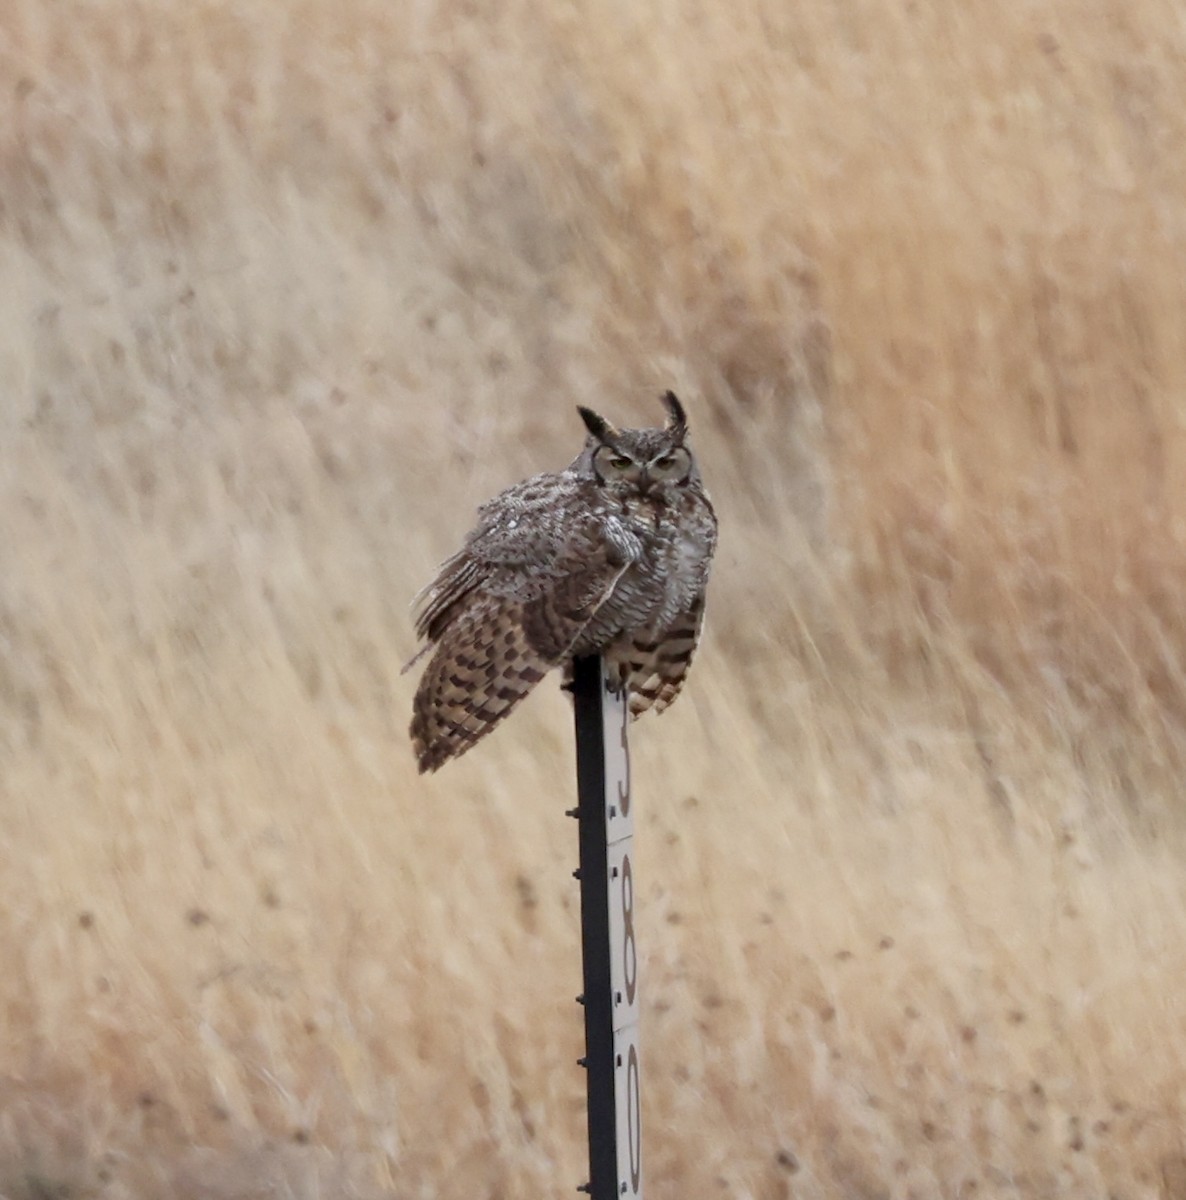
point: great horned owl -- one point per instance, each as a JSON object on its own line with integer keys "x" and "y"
{"x": 609, "y": 556}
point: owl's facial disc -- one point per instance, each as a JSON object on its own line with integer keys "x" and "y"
{"x": 672, "y": 466}
{"x": 613, "y": 466}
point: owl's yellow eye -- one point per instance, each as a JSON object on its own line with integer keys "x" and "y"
{"x": 620, "y": 462}
{"x": 664, "y": 461}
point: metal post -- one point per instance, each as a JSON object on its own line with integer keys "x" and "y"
{"x": 609, "y": 950}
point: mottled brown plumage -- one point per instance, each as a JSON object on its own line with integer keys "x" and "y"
{"x": 610, "y": 556}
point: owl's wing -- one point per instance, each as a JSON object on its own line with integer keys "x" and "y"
{"x": 455, "y": 579}
{"x": 658, "y": 667}
{"x": 525, "y": 538}
{"x": 502, "y": 613}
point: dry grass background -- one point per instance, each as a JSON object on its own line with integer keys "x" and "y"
{"x": 289, "y": 289}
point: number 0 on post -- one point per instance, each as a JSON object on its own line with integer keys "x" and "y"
{"x": 609, "y": 947}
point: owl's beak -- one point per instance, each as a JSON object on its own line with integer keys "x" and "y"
{"x": 644, "y": 481}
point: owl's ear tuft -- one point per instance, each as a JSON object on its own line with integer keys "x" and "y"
{"x": 677, "y": 419}
{"x": 597, "y": 425}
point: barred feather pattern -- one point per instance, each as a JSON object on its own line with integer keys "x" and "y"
{"x": 599, "y": 559}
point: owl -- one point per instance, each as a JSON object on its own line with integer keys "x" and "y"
{"x": 609, "y": 556}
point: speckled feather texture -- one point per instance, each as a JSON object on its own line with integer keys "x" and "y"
{"x": 610, "y": 556}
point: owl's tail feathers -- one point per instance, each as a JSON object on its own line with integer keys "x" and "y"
{"x": 657, "y": 670}
{"x": 480, "y": 671}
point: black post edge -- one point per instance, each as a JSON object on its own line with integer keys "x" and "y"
{"x": 595, "y": 932}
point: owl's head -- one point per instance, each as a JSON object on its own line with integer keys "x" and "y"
{"x": 639, "y": 461}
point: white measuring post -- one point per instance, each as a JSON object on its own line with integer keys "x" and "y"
{"x": 609, "y": 947}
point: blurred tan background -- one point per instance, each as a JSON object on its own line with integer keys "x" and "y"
{"x": 288, "y": 289}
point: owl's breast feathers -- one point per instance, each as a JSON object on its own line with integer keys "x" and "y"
{"x": 675, "y": 536}
{"x": 666, "y": 569}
